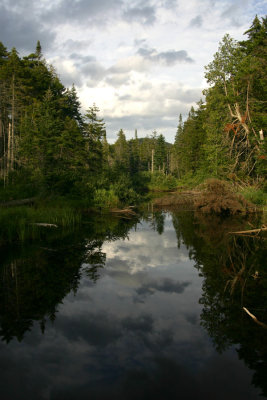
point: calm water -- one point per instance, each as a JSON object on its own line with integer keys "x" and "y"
{"x": 135, "y": 310}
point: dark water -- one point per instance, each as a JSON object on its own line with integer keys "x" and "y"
{"x": 135, "y": 310}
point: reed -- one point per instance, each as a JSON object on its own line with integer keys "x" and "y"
{"x": 22, "y": 223}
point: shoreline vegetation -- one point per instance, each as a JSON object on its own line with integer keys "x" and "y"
{"x": 56, "y": 165}
{"x": 32, "y": 219}
{"x": 213, "y": 197}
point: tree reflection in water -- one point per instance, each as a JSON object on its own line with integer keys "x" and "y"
{"x": 36, "y": 278}
{"x": 235, "y": 276}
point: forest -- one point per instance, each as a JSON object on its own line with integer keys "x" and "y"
{"x": 49, "y": 148}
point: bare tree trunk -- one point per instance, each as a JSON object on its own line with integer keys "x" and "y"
{"x": 152, "y": 161}
{"x": 13, "y": 122}
{"x": 8, "y": 150}
{"x": 4, "y": 157}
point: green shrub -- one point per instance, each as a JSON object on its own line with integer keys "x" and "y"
{"x": 105, "y": 198}
{"x": 161, "y": 182}
{"x": 255, "y": 195}
{"x": 123, "y": 189}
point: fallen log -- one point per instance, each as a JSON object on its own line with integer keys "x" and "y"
{"x": 44, "y": 224}
{"x": 124, "y": 211}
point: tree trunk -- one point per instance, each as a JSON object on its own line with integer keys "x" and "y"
{"x": 13, "y": 122}
{"x": 8, "y": 148}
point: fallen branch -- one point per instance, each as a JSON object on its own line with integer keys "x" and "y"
{"x": 263, "y": 229}
{"x": 254, "y": 318}
{"x": 123, "y": 211}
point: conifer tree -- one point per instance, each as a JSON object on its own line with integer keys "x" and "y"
{"x": 121, "y": 152}
{"x": 160, "y": 154}
{"x": 94, "y": 131}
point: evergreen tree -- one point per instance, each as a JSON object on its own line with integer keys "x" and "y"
{"x": 38, "y": 51}
{"x": 121, "y": 152}
{"x": 134, "y": 155}
{"x": 94, "y": 131}
{"x": 160, "y": 154}
{"x": 174, "y": 162}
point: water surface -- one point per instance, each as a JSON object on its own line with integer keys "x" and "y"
{"x": 135, "y": 310}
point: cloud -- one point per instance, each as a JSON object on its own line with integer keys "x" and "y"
{"x": 132, "y": 63}
{"x": 197, "y": 21}
{"x": 82, "y": 11}
{"x": 144, "y": 14}
{"x": 169, "y": 4}
{"x": 141, "y": 123}
{"x": 97, "y": 330}
{"x": 118, "y": 80}
{"x": 231, "y": 9}
{"x": 23, "y": 31}
{"x": 142, "y": 323}
{"x": 68, "y": 72}
{"x": 169, "y": 57}
{"x": 71, "y": 44}
{"x": 79, "y": 69}
{"x": 88, "y": 69}
{"x": 82, "y": 58}
{"x": 94, "y": 70}
{"x": 163, "y": 95}
{"x": 234, "y": 13}
{"x": 139, "y": 42}
{"x": 165, "y": 285}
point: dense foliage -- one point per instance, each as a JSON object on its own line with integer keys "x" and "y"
{"x": 224, "y": 137}
{"x": 48, "y": 147}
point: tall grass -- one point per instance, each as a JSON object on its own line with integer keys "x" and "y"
{"x": 21, "y": 223}
{"x": 255, "y": 195}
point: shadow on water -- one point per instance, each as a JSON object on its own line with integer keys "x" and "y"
{"x": 35, "y": 278}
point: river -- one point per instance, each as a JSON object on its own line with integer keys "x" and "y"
{"x": 135, "y": 309}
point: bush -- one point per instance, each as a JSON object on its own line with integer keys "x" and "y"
{"x": 105, "y": 198}
{"x": 123, "y": 189}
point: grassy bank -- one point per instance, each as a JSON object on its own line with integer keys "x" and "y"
{"x": 255, "y": 195}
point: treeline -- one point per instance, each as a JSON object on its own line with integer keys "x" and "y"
{"x": 48, "y": 147}
{"x": 41, "y": 128}
{"x": 226, "y": 135}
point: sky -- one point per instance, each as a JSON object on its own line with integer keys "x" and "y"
{"x": 141, "y": 62}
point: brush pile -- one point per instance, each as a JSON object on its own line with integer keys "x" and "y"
{"x": 218, "y": 197}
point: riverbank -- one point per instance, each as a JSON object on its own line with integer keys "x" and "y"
{"x": 31, "y": 218}
{"x": 216, "y": 196}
